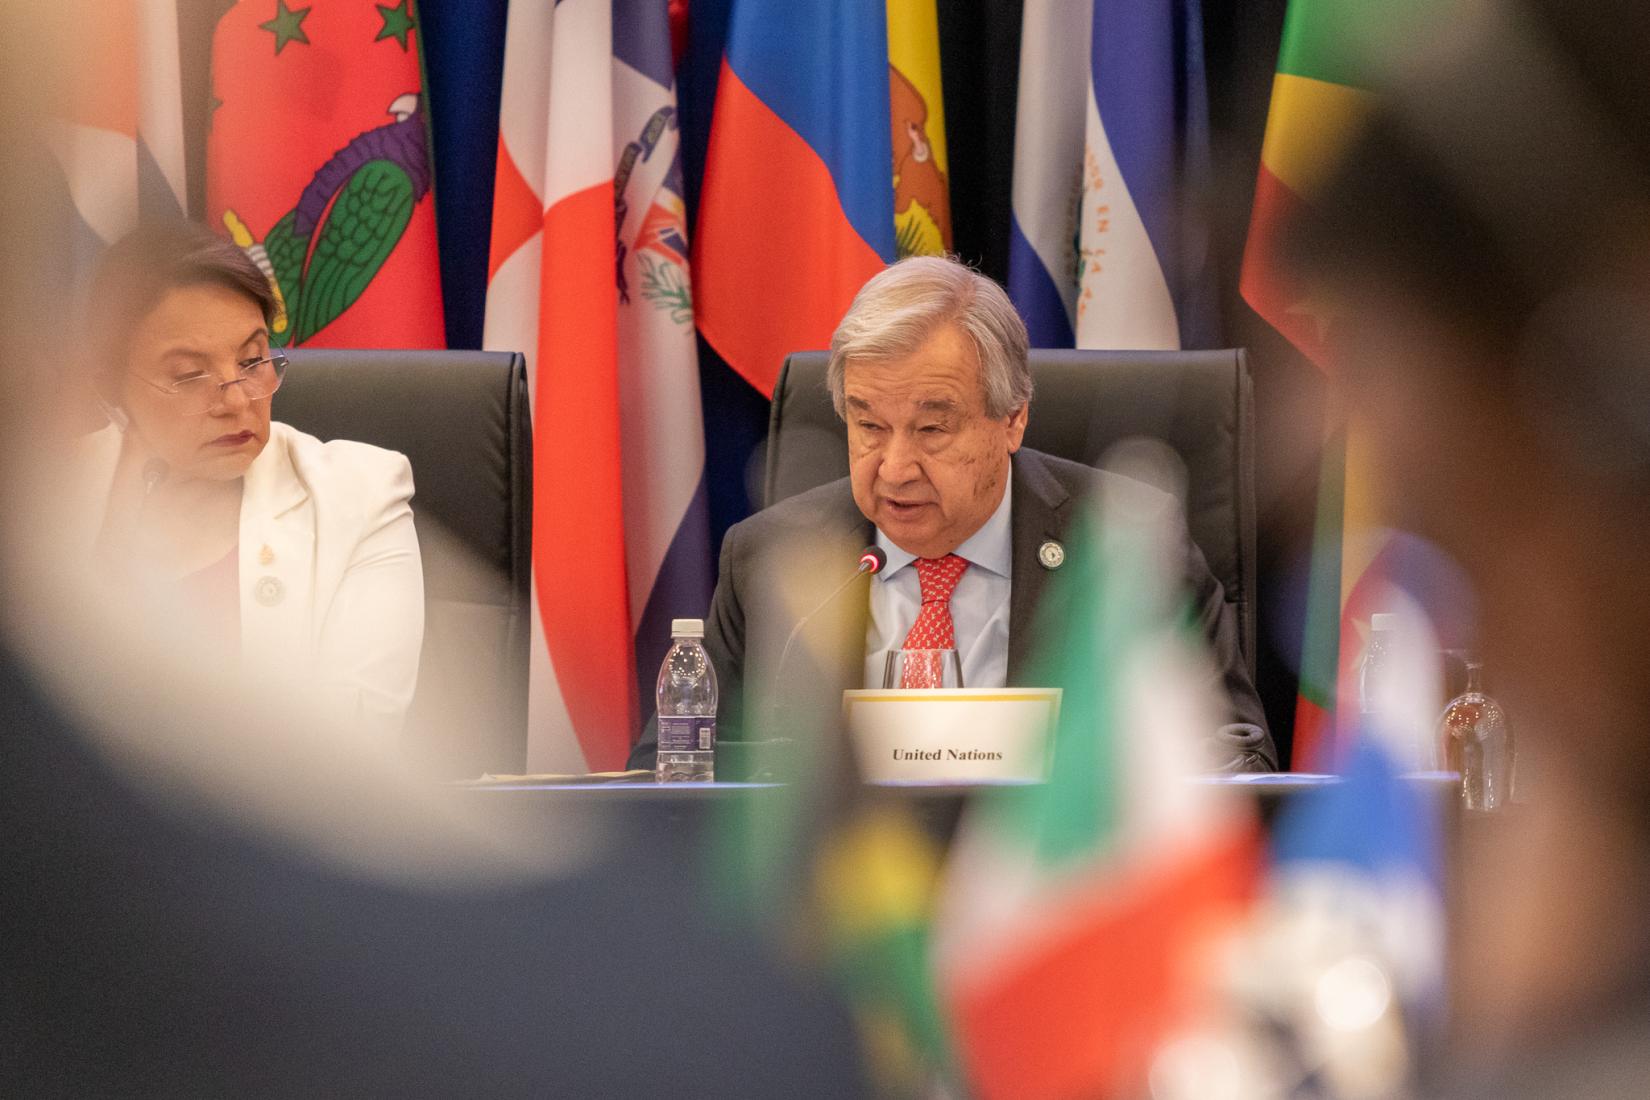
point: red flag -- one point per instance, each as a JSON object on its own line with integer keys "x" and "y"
{"x": 318, "y": 164}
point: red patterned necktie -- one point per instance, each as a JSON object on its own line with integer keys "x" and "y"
{"x": 933, "y": 628}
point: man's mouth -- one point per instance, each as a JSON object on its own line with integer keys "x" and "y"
{"x": 904, "y": 508}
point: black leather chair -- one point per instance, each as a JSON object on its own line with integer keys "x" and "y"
{"x": 461, "y": 418}
{"x": 1200, "y": 403}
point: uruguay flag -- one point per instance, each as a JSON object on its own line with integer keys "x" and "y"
{"x": 589, "y": 276}
{"x": 797, "y": 206}
{"x": 1108, "y": 243}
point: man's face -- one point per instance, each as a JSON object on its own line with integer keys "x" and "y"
{"x": 928, "y": 466}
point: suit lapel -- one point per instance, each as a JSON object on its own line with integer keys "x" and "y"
{"x": 1040, "y": 514}
{"x": 277, "y": 558}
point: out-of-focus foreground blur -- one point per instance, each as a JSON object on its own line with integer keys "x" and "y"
{"x": 212, "y": 889}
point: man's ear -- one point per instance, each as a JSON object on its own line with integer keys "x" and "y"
{"x": 1016, "y": 426}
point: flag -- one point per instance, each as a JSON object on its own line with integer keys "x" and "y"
{"x": 1108, "y": 244}
{"x": 795, "y": 210}
{"x": 119, "y": 138}
{"x": 318, "y": 164}
{"x": 875, "y": 881}
{"x": 1334, "y": 985}
{"x": 1074, "y": 911}
{"x": 1357, "y": 883}
{"x": 1320, "y": 97}
{"x": 589, "y": 276}
{"x": 922, "y": 191}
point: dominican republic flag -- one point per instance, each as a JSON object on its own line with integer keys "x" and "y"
{"x": 589, "y": 277}
{"x": 1108, "y": 242}
{"x": 796, "y": 210}
{"x": 119, "y": 138}
{"x": 318, "y": 165}
{"x": 1076, "y": 916}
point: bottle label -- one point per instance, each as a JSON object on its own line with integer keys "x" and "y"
{"x": 687, "y": 734}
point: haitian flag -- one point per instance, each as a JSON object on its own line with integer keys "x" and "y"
{"x": 318, "y": 165}
{"x": 795, "y": 211}
{"x": 1108, "y": 240}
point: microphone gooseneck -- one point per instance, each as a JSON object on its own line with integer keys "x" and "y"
{"x": 872, "y": 560}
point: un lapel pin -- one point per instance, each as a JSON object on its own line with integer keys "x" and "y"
{"x": 1051, "y": 554}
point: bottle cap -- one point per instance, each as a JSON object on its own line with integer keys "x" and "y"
{"x": 1383, "y": 620}
{"x": 687, "y": 628}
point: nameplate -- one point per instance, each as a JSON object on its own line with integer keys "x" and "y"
{"x": 952, "y": 735}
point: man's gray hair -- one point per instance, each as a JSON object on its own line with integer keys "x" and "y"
{"x": 902, "y": 306}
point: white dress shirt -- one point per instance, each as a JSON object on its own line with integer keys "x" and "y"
{"x": 979, "y": 605}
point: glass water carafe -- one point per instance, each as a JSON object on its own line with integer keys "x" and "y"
{"x": 1475, "y": 740}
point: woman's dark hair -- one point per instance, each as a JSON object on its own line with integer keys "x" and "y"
{"x": 139, "y": 269}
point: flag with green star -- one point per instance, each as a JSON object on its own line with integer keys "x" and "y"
{"x": 318, "y": 164}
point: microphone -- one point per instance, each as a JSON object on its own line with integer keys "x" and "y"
{"x": 872, "y": 560}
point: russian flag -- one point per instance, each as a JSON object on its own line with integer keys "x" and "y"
{"x": 796, "y": 209}
{"x": 1108, "y": 241}
{"x": 589, "y": 276}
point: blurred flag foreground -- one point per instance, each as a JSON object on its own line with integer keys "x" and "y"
{"x": 589, "y": 276}
{"x": 1335, "y": 985}
{"x": 1076, "y": 914}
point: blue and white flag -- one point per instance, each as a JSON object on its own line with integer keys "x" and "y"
{"x": 1109, "y": 244}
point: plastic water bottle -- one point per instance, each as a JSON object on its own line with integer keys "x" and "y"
{"x": 1374, "y": 688}
{"x": 686, "y": 696}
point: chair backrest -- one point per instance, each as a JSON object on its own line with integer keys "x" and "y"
{"x": 461, "y": 418}
{"x": 1200, "y": 403}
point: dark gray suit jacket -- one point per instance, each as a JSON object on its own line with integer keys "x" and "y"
{"x": 781, "y": 563}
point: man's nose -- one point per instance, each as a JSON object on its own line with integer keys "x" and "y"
{"x": 899, "y": 463}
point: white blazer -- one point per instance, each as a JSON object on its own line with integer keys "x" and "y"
{"x": 331, "y": 585}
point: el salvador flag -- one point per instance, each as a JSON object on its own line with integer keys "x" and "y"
{"x": 1109, "y": 245}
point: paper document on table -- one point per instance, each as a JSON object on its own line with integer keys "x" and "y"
{"x": 640, "y": 775}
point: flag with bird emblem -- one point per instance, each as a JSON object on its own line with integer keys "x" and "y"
{"x": 318, "y": 164}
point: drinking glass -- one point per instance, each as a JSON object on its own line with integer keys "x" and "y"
{"x": 923, "y": 668}
{"x": 1475, "y": 739}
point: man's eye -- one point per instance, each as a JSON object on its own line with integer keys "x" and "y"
{"x": 248, "y": 364}
{"x": 931, "y": 429}
{"x": 189, "y": 379}
{"x": 867, "y": 426}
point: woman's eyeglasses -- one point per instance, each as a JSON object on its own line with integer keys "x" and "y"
{"x": 200, "y": 394}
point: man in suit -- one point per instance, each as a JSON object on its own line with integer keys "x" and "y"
{"x": 929, "y": 371}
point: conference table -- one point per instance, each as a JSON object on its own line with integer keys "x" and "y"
{"x": 678, "y": 814}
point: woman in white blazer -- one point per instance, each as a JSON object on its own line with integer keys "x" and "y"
{"x": 299, "y": 556}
